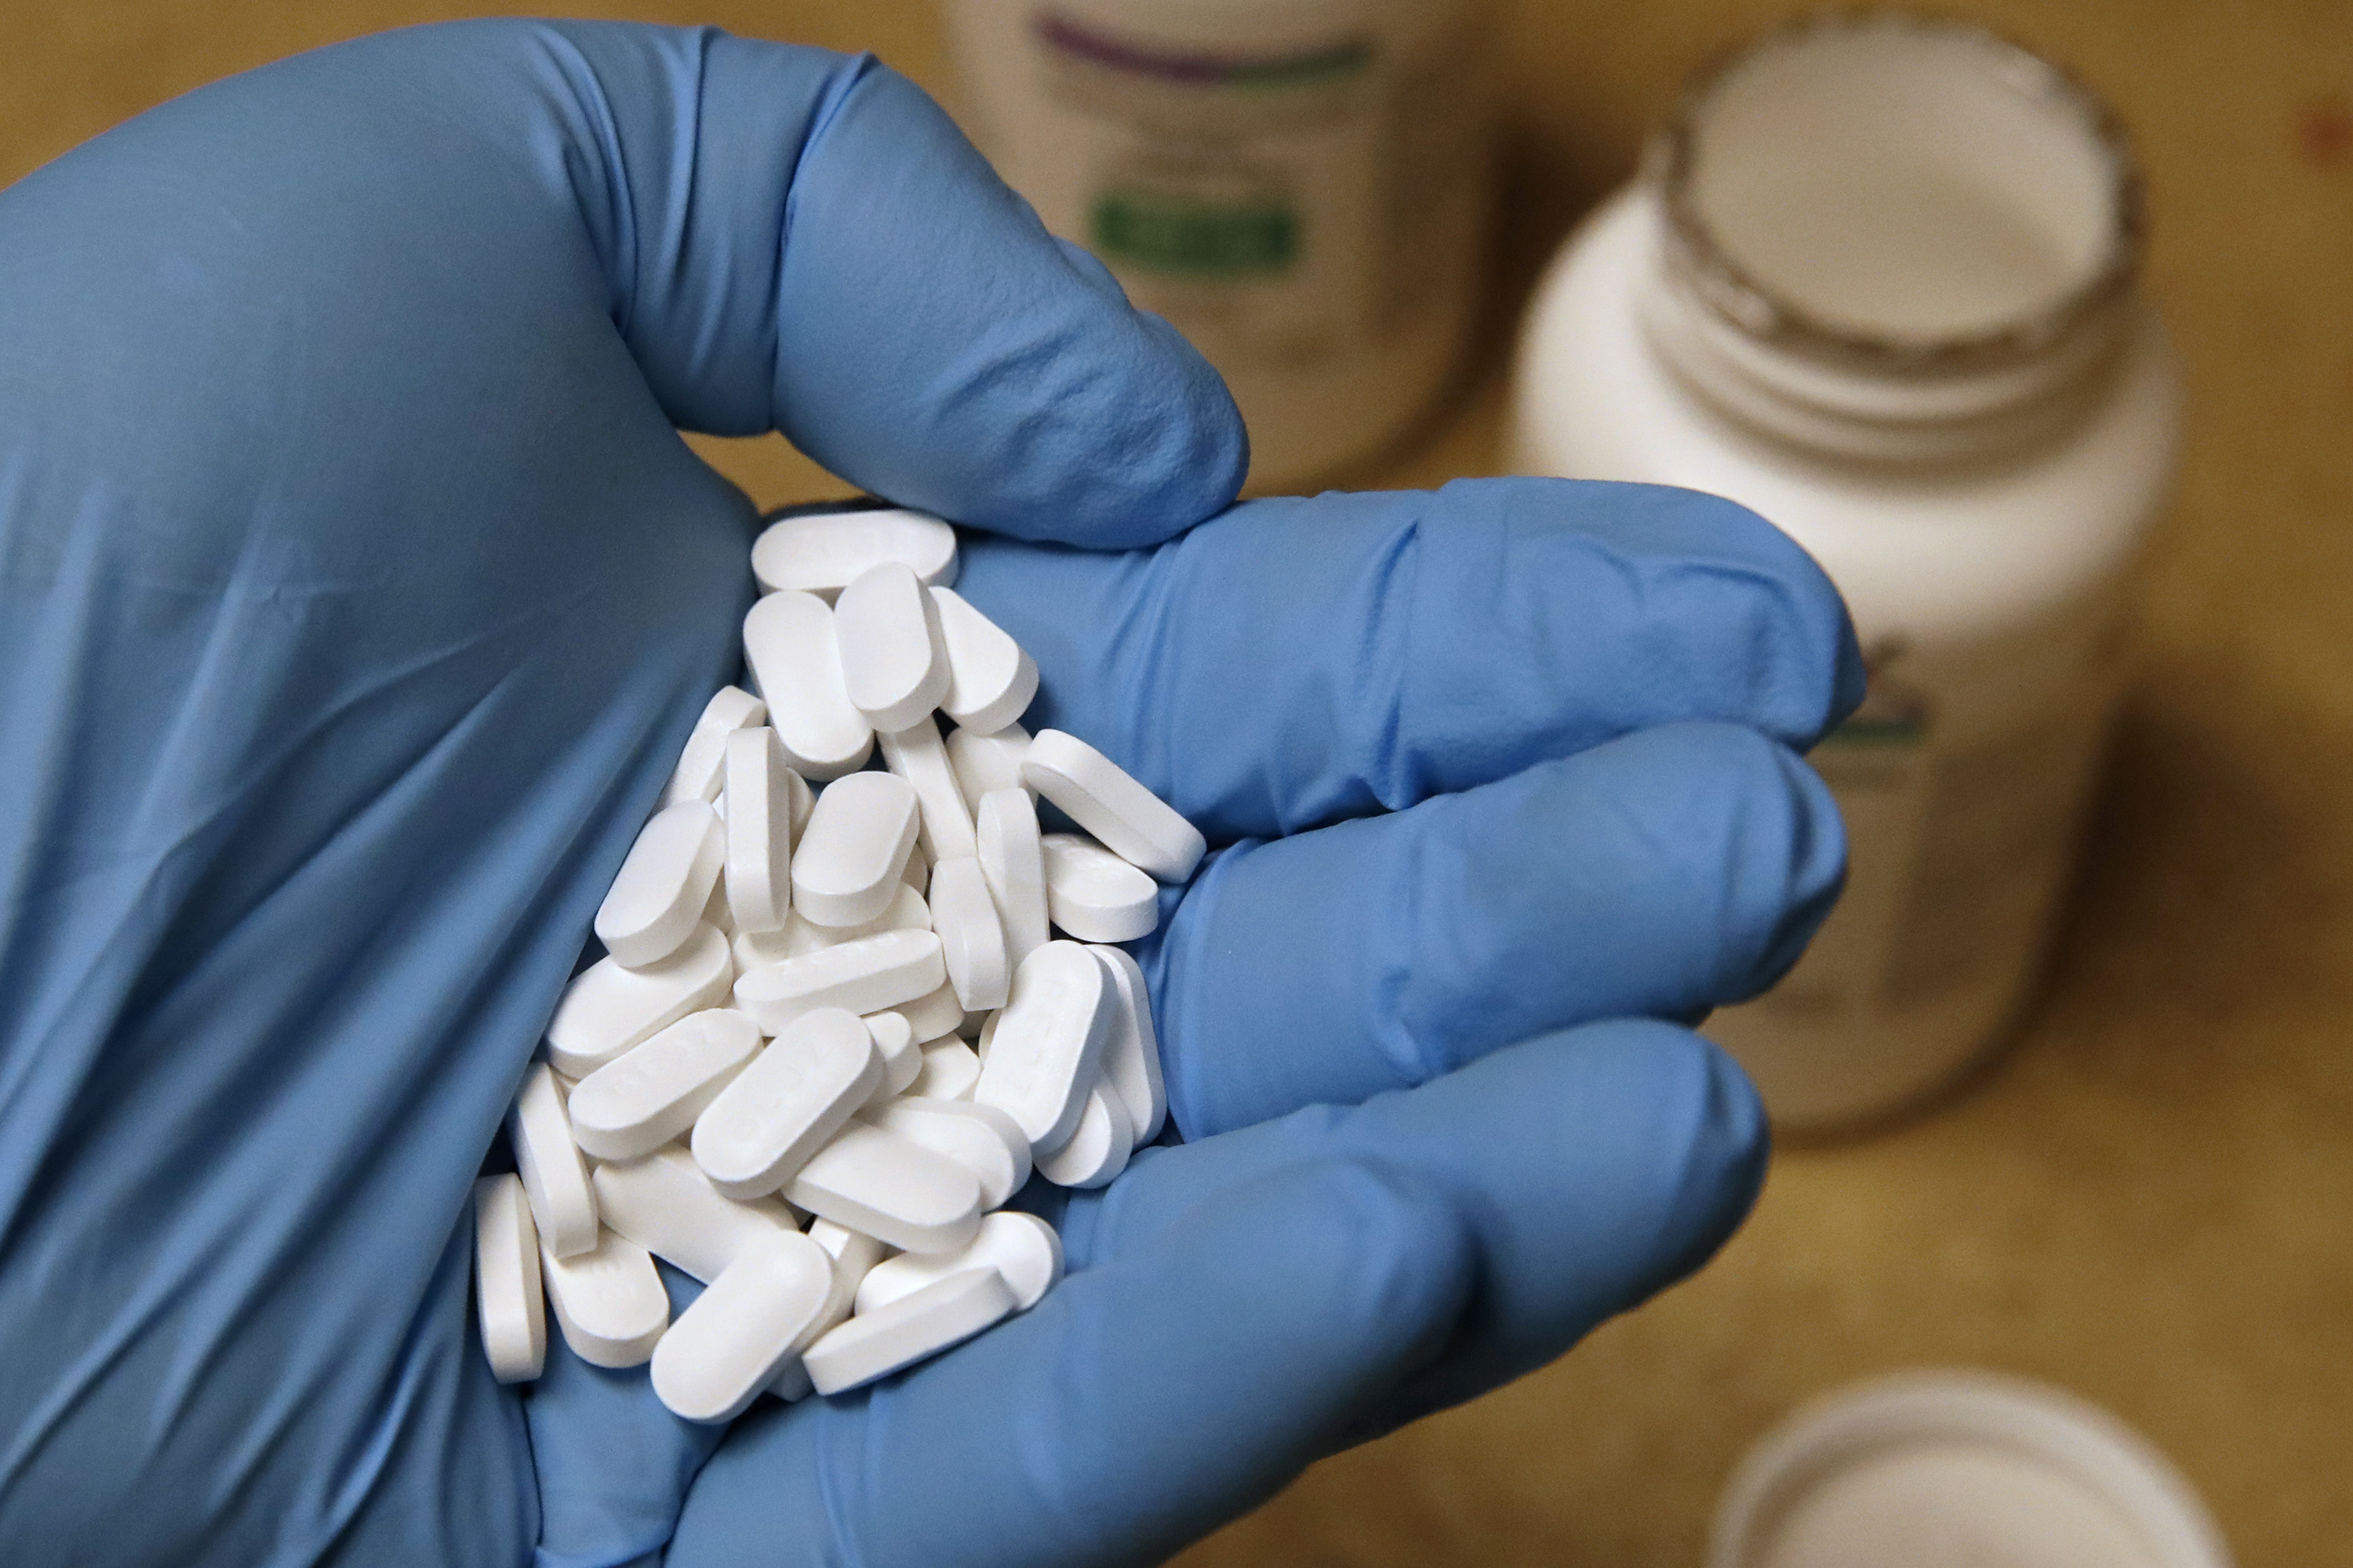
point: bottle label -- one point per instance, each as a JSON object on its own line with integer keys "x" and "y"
{"x": 1960, "y": 835}
{"x": 1280, "y": 207}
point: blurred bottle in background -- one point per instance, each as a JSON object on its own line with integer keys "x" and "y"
{"x": 1300, "y": 186}
{"x": 1877, "y": 284}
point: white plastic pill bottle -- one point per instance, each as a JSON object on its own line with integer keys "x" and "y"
{"x": 1877, "y": 282}
{"x": 1301, "y": 186}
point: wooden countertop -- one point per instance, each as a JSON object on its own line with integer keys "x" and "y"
{"x": 2149, "y": 1198}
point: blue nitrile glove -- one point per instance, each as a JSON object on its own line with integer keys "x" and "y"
{"x": 355, "y": 595}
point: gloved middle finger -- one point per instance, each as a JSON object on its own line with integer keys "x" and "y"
{"x": 1296, "y": 661}
{"x": 1661, "y": 873}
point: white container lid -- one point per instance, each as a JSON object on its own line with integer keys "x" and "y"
{"x": 1959, "y": 1470}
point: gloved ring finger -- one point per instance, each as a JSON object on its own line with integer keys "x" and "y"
{"x": 1661, "y": 873}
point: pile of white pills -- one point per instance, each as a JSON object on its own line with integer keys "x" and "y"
{"x": 845, "y": 1007}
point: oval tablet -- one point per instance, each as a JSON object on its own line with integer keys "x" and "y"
{"x": 789, "y": 644}
{"x": 736, "y": 1335}
{"x": 907, "y": 911}
{"x": 508, "y": 1305}
{"x": 888, "y": 1188}
{"x": 988, "y": 762}
{"x": 933, "y": 1013}
{"x": 1021, "y": 1247}
{"x": 951, "y": 1068}
{"x": 699, "y": 773}
{"x": 943, "y": 1314}
{"x": 548, "y": 1163}
{"x": 657, "y": 899}
{"x": 759, "y": 862}
{"x": 901, "y": 1053}
{"x": 1013, "y": 858}
{"x": 782, "y": 1108}
{"x": 1045, "y": 1048}
{"x": 990, "y": 680}
{"x": 869, "y": 975}
{"x": 653, "y": 1091}
{"x": 981, "y": 1138}
{"x": 1131, "y": 1062}
{"x": 1098, "y": 1150}
{"x": 887, "y": 630}
{"x": 848, "y": 862}
{"x": 918, "y": 755}
{"x": 606, "y": 1009}
{"x": 667, "y": 1205}
{"x": 1130, "y": 819}
{"x": 822, "y": 552}
{"x": 853, "y": 1254}
{"x": 972, "y": 940}
{"x": 1093, "y": 894}
{"x": 609, "y": 1301}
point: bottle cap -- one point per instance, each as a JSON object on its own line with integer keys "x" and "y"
{"x": 1959, "y": 1470}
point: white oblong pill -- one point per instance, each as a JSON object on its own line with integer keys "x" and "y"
{"x": 908, "y": 912}
{"x": 759, "y": 862}
{"x": 609, "y": 1301}
{"x": 848, "y": 863}
{"x": 1021, "y": 1247}
{"x": 936, "y": 1012}
{"x": 823, "y": 551}
{"x": 901, "y": 1053}
{"x": 1046, "y": 1048}
{"x": 918, "y": 755}
{"x": 871, "y": 974}
{"x": 1098, "y": 1150}
{"x": 657, "y": 899}
{"x": 1132, "y": 821}
{"x": 1131, "y": 1062}
{"x": 548, "y": 1162}
{"x": 700, "y": 772}
{"x": 508, "y": 1305}
{"x": 951, "y": 1068}
{"x": 715, "y": 913}
{"x": 1013, "y": 858}
{"x": 804, "y": 802}
{"x": 892, "y": 1190}
{"x": 972, "y": 939}
{"x": 789, "y": 644}
{"x": 981, "y": 1138}
{"x": 782, "y": 1108}
{"x": 854, "y": 1255}
{"x": 735, "y": 1336}
{"x": 888, "y": 632}
{"x": 1093, "y": 894}
{"x": 667, "y": 1205}
{"x": 940, "y": 1315}
{"x": 986, "y": 762}
{"x": 653, "y": 1091}
{"x": 606, "y": 1009}
{"x": 991, "y": 680}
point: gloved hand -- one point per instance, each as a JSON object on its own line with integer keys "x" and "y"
{"x": 355, "y": 595}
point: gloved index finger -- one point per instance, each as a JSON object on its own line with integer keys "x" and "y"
{"x": 1298, "y": 660}
{"x": 807, "y": 242}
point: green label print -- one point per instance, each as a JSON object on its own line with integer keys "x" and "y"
{"x": 1167, "y": 233}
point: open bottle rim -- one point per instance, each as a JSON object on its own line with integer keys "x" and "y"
{"x": 1740, "y": 293}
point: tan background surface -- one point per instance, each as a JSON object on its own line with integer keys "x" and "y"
{"x": 2150, "y": 1198}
